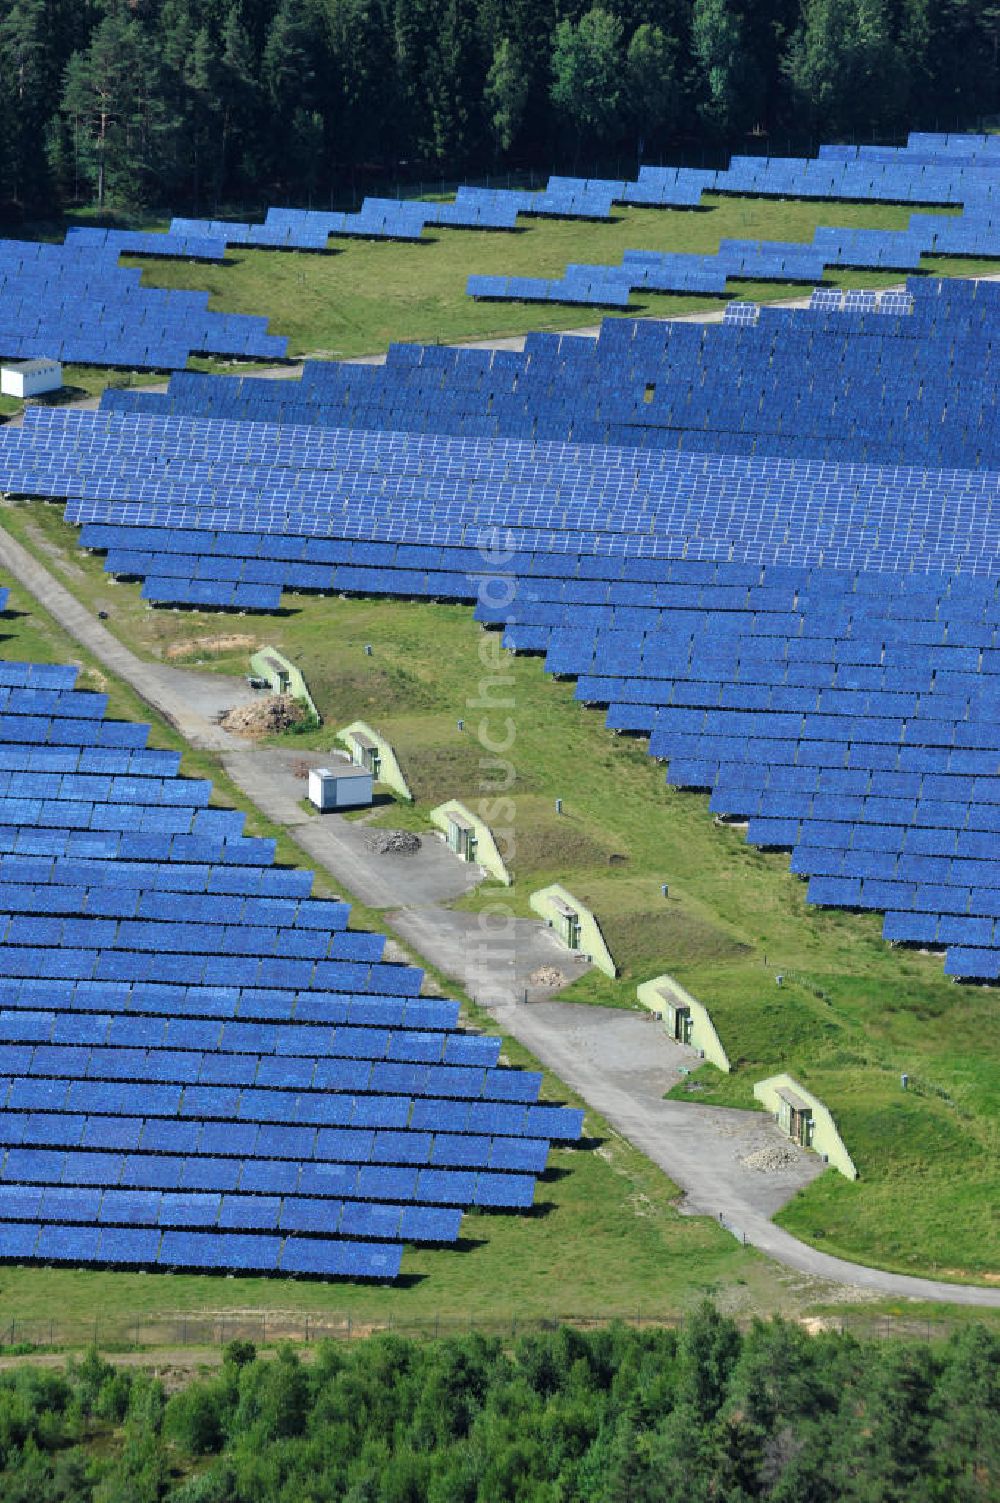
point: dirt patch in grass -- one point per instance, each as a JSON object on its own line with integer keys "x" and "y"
{"x": 208, "y": 647}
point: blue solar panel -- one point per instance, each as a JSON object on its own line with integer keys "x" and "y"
{"x": 692, "y": 527}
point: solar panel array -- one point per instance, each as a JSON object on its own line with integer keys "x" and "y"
{"x": 201, "y": 1065}
{"x": 943, "y": 169}
{"x": 709, "y": 274}
{"x": 815, "y": 642}
{"x": 769, "y": 545}
{"x": 929, "y": 170}
{"x": 911, "y": 380}
{"x": 146, "y": 243}
{"x": 74, "y": 303}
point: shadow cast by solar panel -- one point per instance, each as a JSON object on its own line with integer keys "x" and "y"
{"x": 587, "y": 1145}
{"x": 461, "y": 1244}
{"x": 553, "y": 1173}
{"x": 538, "y": 1208}
{"x": 281, "y": 611}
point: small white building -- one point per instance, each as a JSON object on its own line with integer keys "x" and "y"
{"x": 342, "y": 786}
{"x": 30, "y": 378}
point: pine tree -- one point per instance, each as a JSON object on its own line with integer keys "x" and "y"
{"x": 238, "y": 96}
{"x": 24, "y": 69}
{"x": 106, "y": 95}
{"x": 361, "y": 97}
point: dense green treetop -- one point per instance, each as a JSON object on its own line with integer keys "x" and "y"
{"x": 613, "y": 1416}
{"x": 189, "y": 104}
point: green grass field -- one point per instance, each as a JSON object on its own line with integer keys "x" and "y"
{"x": 365, "y": 294}
{"x": 852, "y": 1013}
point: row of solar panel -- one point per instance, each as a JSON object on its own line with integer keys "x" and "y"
{"x": 203, "y": 969}
{"x": 209, "y": 1140}
{"x": 265, "y": 1090}
{"x": 963, "y": 541}
{"x": 331, "y": 1181}
{"x": 82, "y": 447}
{"x": 72, "y": 443}
{"x": 246, "y": 1004}
{"x": 586, "y": 578}
{"x": 103, "y": 927}
{"x": 406, "y": 1223}
{"x": 976, "y": 626}
{"x": 891, "y": 178}
{"x": 200, "y": 592}
{"x": 88, "y": 815}
{"x": 117, "y": 1104}
{"x": 876, "y": 431}
{"x": 188, "y": 793}
{"x": 711, "y": 751}
{"x": 709, "y": 273}
{"x": 219, "y": 1039}
{"x": 137, "y": 1247}
{"x": 32, "y": 884}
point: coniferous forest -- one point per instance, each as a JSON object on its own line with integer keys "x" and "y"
{"x": 188, "y": 104}
{"x": 615, "y": 1416}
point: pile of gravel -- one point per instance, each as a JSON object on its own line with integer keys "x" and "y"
{"x": 548, "y": 976}
{"x": 392, "y": 843}
{"x": 772, "y": 1159}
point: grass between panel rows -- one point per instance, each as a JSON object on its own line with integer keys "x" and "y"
{"x": 852, "y": 1013}
{"x": 361, "y": 295}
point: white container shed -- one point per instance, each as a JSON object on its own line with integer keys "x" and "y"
{"x": 30, "y": 378}
{"x": 342, "y": 786}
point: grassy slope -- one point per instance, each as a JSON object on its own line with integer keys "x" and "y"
{"x": 851, "y": 1014}
{"x": 599, "y": 1208}
{"x": 368, "y": 293}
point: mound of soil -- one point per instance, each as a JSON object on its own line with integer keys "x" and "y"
{"x": 264, "y": 717}
{"x": 392, "y": 843}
